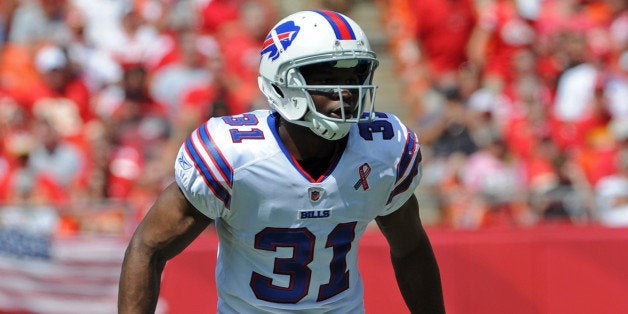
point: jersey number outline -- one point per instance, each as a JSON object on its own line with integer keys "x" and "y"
{"x": 247, "y": 119}
{"x": 302, "y": 242}
{"x": 377, "y": 126}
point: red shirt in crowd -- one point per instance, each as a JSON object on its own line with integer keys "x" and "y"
{"x": 443, "y": 29}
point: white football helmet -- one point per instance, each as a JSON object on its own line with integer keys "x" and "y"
{"x": 311, "y": 37}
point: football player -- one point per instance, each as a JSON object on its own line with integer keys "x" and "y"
{"x": 291, "y": 190}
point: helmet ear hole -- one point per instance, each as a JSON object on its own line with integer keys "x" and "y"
{"x": 290, "y": 103}
{"x": 270, "y": 89}
{"x": 278, "y": 91}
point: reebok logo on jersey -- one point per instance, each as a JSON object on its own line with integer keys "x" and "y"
{"x": 315, "y": 213}
{"x": 185, "y": 165}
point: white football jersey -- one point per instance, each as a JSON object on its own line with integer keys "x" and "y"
{"x": 288, "y": 242}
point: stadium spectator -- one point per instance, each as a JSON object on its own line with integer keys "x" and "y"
{"x": 615, "y": 85}
{"x": 169, "y": 82}
{"x": 442, "y": 55}
{"x": 96, "y": 67}
{"x": 24, "y": 184}
{"x": 240, "y": 41}
{"x": 10, "y": 116}
{"x": 496, "y": 179}
{"x": 502, "y": 30}
{"x": 558, "y": 189}
{"x": 452, "y": 130}
{"x": 138, "y": 129}
{"x": 102, "y": 23}
{"x": 523, "y": 117}
{"x": 59, "y": 94}
{"x": 60, "y": 161}
{"x": 595, "y": 158}
{"x": 136, "y": 42}
{"x": 577, "y": 107}
{"x": 215, "y": 14}
{"x": 612, "y": 194}
{"x": 37, "y": 21}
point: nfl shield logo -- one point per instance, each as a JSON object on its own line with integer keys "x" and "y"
{"x": 315, "y": 193}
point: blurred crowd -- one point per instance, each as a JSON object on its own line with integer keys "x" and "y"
{"x": 97, "y": 95}
{"x": 521, "y": 106}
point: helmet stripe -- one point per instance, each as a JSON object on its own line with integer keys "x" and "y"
{"x": 269, "y": 39}
{"x": 340, "y": 25}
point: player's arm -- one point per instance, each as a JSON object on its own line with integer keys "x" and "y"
{"x": 413, "y": 259}
{"x": 170, "y": 226}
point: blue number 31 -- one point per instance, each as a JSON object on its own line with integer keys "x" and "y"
{"x": 301, "y": 240}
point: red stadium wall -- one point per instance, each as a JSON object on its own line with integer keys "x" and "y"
{"x": 546, "y": 269}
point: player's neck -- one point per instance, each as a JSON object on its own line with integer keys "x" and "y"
{"x": 303, "y": 144}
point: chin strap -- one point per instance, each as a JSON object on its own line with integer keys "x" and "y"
{"x": 326, "y": 129}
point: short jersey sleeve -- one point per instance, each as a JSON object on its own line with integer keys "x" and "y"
{"x": 203, "y": 174}
{"x": 408, "y": 170}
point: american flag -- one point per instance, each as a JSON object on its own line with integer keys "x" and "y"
{"x": 49, "y": 275}
{"x": 43, "y": 274}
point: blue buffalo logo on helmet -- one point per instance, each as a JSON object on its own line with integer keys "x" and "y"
{"x": 286, "y": 32}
